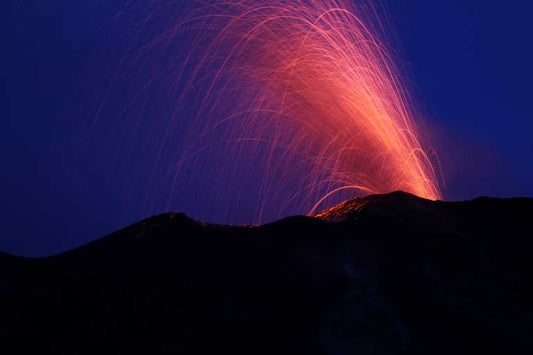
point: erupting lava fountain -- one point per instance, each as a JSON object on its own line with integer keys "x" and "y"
{"x": 314, "y": 82}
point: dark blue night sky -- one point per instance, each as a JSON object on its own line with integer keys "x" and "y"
{"x": 76, "y": 158}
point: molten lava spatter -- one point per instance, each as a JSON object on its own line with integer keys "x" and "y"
{"x": 310, "y": 89}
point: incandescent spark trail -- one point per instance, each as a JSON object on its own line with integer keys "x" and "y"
{"x": 307, "y": 88}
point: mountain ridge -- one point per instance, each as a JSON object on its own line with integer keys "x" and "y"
{"x": 382, "y": 274}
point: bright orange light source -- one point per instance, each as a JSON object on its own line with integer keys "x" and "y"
{"x": 316, "y": 81}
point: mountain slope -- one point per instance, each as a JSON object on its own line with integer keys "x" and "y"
{"x": 384, "y": 274}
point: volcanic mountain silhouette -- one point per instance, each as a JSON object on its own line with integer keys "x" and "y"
{"x": 383, "y": 274}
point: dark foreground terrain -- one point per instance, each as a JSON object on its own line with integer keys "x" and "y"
{"x": 385, "y": 274}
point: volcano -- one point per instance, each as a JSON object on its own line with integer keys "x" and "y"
{"x": 382, "y": 274}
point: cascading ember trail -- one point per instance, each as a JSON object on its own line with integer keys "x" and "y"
{"x": 308, "y": 89}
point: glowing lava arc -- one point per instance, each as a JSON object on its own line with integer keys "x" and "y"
{"x": 313, "y": 80}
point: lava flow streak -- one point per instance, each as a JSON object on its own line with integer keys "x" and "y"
{"x": 314, "y": 83}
